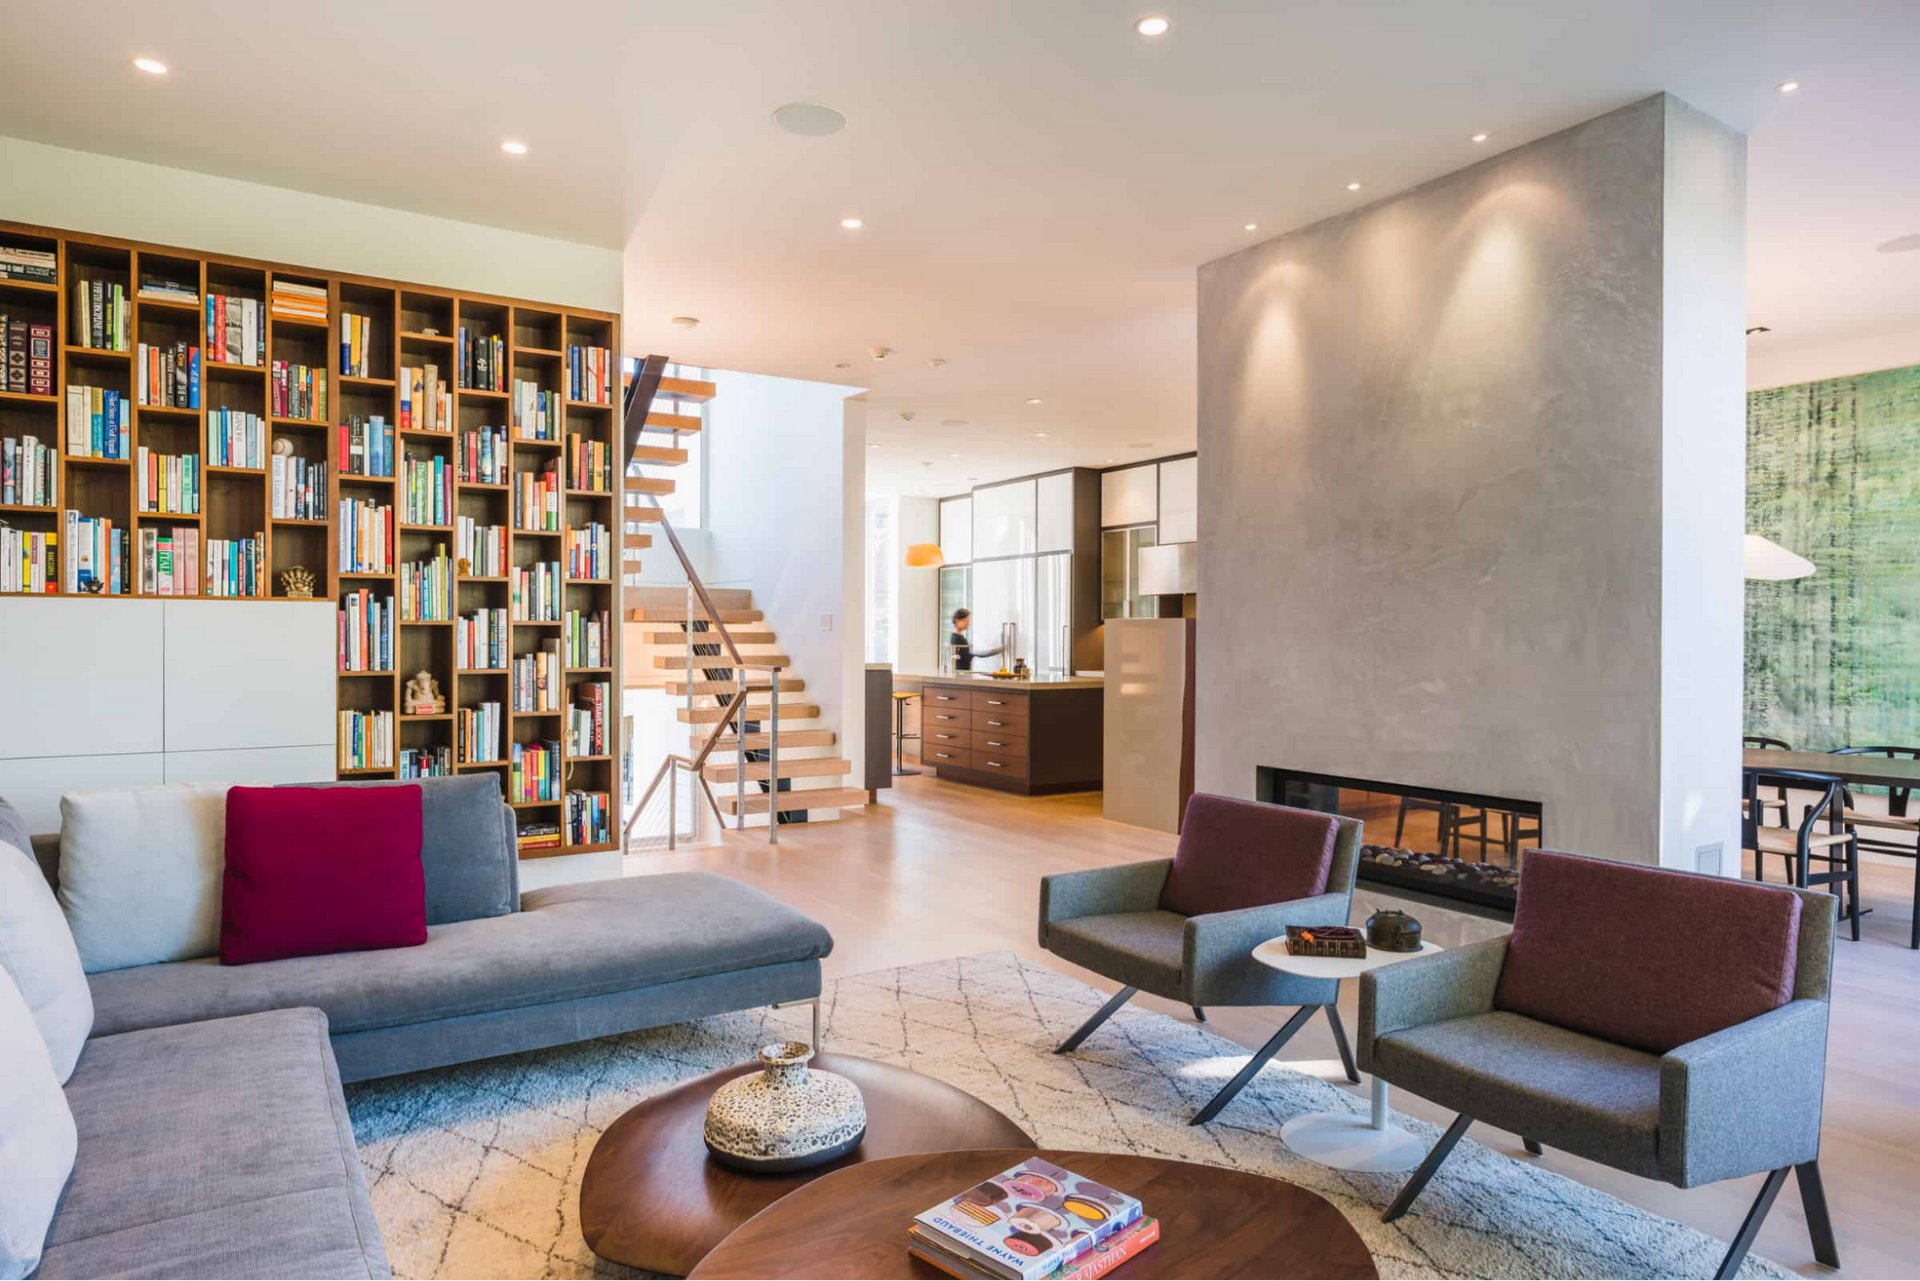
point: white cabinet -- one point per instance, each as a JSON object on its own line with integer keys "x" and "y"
{"x": 1003, "y": 520}
{"x": 242, "y": 674}
{"x": 96, "y": 676}
{"x": 1130, "y": 496}
{"x": 1054, "y": 518}
{"x": 956, "y": 530}
{"x": 1179, "y": 500}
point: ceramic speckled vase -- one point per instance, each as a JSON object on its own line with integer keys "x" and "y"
{"x": 788, "y": 1117}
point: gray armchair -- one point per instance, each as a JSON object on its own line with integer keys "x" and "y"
{"x": 1669, "y": 1025}
{"x": 1137, "y": 924}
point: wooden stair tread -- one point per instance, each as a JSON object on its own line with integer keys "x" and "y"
{"x": 638, "y": 542}
{"x": 693, "y": 390}
{"x": 650, "y": 485}
{"x": 664, "y": 455}
{"x": 644, "y": 514}
{"x": 805, "y": 767}
{"x": 823, "y": 798}
{"x": 788, "y": 738}
{"x": 699, "y": 615}
{"x": 724, "y": 689}
{"x": 678, "y": 636}
{"x": 676, "y": 423}
{"x": 679, "y": 661}
{"x": 755, "y": 712}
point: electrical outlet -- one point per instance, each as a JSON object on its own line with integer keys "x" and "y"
{"x": 826, "y": 622}
{"x": 1706, "y": 858}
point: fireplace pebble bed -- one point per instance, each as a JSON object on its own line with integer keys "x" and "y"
{"x": 1489, "y": 884}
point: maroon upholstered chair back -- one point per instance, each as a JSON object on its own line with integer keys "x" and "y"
{"x": 1645, "y": 957}
{"x": 1235, "y": 854}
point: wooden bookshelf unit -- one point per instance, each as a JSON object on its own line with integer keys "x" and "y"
{"x": 406, "y": 330}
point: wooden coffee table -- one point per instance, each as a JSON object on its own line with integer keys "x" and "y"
{"x": 651, "y": 1198}
{"x": 1213, "y": 1222}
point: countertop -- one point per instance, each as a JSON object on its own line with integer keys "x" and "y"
{"x": 1040, "y": 681}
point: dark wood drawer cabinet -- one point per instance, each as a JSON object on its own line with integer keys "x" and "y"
{"x": 986, "y": 740}
{"x": 1030, "y": 741}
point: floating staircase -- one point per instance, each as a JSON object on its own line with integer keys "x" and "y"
{"x": 695, "y": 645}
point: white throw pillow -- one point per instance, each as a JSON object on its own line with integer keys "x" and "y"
{"x": 140, "y": 871}
{"x": 37, "y": 950}
{"x": 37, "y": 1137}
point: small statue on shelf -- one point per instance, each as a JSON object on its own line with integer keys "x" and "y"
{"x": 297, "y": 582}
{"x": 464, "y": 565}
{"x": 423, "y": 696}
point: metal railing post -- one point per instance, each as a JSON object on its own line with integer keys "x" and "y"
{"x": 740, "y": 750}
{"x": 673, "y": 805}
{"x": 773, "y": 756}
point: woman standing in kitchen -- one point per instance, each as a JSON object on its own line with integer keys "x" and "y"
{"x": 960, "y": 647}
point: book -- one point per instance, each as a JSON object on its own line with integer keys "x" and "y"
{"x": 29, "y": 560}
{"x": 533, "y": 771}
{"x": 99, "y": 422}
{"x": 589, "y": 818}
{"x": 482, "y": 457}
{"x": 477, "y": 733}
{"x": 1026, "y": 1221}
{"x": 236, "y": 438}
{"x": 588, "y": 638}
{"x": 364, "y": 632}
{"x": 538, "y": 836}
{"x": 167, "y": 375}
{"x": 538, "y": 499}
{"x": 483, "y": 547}
{"x": 589, "y": 552}
{"x": 1088, "y": 1265}
{"x": 426, "y": 491}
{"x": 35, "y": 266}
{"x": 587, "y": 720}
{"x": 167, "y": 482}
{"x": 236, "y": 330}
{"x": 480, "y": 640}
{"x": 535, "y": 592}
{"x": 426, "y": 762}
{"x": 299, "y": 391}
{"x": 26, "y": 472}
{"x": 366, "y": 740}
{"x": 589, "y": 464}
{"x": 426, "y": 588}
{"x": 534, "y": 680}
{"x": 102, "y": 314}
{"x": 536, "y": 413}
{"x": 291, "y": 300}
{"x": 589, "y": 374}
{"x": 426, "y": 402}
{"x": 482, "y": 360}
{"x": 237, "y": 567}
{"x": 366, "y": 537}
{"x": 299, "y": 488}
{"x": 366, "y": 446}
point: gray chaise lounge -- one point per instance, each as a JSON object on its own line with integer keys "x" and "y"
{"x": 214, "y": 1139}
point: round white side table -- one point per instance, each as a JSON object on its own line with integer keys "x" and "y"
{"x": 1368, "y": 1143}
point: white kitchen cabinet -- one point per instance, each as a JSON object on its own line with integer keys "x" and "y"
{"x": 956, "y": 530}
{"x": 1054, "y": 516}
{"x": 1004, "y": 520}
{"x": 1130, "y": 496}
{"x": 1180, "y": 501}
{"x": 244, "y": 674}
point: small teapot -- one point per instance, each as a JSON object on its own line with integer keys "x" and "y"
{"x": 1391, "y": 930}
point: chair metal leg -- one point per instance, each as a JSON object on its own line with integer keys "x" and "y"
{"x": 1199, "y": 1015}
{"x": 1254, "y": 1064}
{"x": 1813, "y": 1200}
{"x": 1915, "y": 944}
{"x": 1743, "y": 1239}
{"x": 1340, "y": 1040}
{"x": 1100, "y": 1016}
{"x": 1533, "y": 1146}
{"x": 1418, "y": 1183}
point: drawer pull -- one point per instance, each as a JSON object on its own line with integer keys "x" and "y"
{"x": 996, "y": 702}
{"x": 944, "y": 756}
{"x": 996, "y": 764}
{"x": 991, "y": 743}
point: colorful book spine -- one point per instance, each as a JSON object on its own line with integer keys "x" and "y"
{"x": 29, "y": 561}
{"x": 480, "y": 641}
{"x": 27, "y": 472}
{"x": 299, "y": 488}
{"x": 535, "y": 591}
{"x": 589, "y": 553}
{"x": 298, "y": 392}
{"x": 589, "y": 818}
{"x": 426, "y": 589}
{"x": 483, "y": 547}
{"x": 366, "y": 740}
{"x": 588, "y": 639}
{"x": 364, "y": 632}
{"x": 482, "y": 457}
{"x": 477, "y": 733}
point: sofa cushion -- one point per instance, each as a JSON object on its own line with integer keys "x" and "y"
{"x": 568, "y": 941}
{"x": 317, "y": 870}
{"x": 36, "y": 1136}
{"x": 1649, "y": 958}
{"x": 220, "y": 1148}
{"x": 467, "y": 850}
{"x": 1567, "y": 1090}
{"x": 1235, "y": 854}
{"x": 140, "y": 872}
{"x": 13, "y": 828}
{"x": 36, "y": 949}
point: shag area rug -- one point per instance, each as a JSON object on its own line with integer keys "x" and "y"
{"x": 475, "y": 1170}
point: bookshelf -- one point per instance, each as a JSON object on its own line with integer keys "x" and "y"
{"x": 407, "y": 335}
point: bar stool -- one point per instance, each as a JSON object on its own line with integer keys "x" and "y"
{"x": 900, "y": 736}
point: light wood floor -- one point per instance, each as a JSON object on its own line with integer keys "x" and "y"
{"x": 940, "y": 870}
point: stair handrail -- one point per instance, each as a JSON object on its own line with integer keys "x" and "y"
{"x": 640, "y": 395}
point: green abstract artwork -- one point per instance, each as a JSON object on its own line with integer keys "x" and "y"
{"x": 1833, "y": 472}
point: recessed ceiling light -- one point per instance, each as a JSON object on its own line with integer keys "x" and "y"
{"x": 685, "y": 322}
{"x": 152, "y": 66}
{"x": 953, "y": 455}
{"x": 1479, "y": 137}
{"x": 1035, "y": 400}
{"x": 513, "y": 148}
{"x": 1253, "y": 226}
{"x": 1039, "y": 435}
{"x": 1353, "y": 186}
{"x": 1152, "y": 26}
{"x": 873, "y": 446}
{"x": 1902, "y": 244}
{"x": 852, "y": 224}
{"x": 809, "y": 119}
{"x": 1788, "y": 86}
{"x": 1109, "y": 460}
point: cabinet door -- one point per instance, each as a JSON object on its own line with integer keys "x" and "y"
{"x": 1053, "y": 613}
{"x": 956, "y": 530}
{"x": 1130, "y": 496}
{"x": 1003, "y": 520}
{"x": 1180, "y": 500}
{"x": 1054, "y": 519}
{"x": 1002, "y": 594}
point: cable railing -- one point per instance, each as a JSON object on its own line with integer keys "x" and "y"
{"x": 639, "y": 403}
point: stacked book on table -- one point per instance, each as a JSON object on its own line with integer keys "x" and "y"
{"x": 1035, "y": 1220}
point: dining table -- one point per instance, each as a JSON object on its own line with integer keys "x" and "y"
{"x": 1861, "y": 771}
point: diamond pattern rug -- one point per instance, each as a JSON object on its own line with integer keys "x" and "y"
{"x": 475, "y": 1170}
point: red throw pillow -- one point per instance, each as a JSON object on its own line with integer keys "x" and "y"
{"x": 317, "y": 870}
{"x": 1644, "y": 957}
{"x": 1234, "y": 854}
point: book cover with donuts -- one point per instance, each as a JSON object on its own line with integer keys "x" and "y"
{"x": 1026, "y": 1221}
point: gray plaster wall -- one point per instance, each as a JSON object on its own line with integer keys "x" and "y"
{"x": 1432, "y": 449}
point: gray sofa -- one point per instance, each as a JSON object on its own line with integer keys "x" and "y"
{"x": 213, "y": 1133}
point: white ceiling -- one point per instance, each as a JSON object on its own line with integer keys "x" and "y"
{"x": 1038, "y": 183}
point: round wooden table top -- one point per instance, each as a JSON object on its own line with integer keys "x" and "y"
{"x": 651, "y": 1198}
{"x": 1213, "y": 1222}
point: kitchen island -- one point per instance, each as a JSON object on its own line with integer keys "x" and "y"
{"x": 1033, "y": 736}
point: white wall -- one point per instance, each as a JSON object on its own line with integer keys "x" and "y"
{"x": 785, "y": 518}
{"x": 1863, "y": 355}
{"x": 57, "y": 187}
